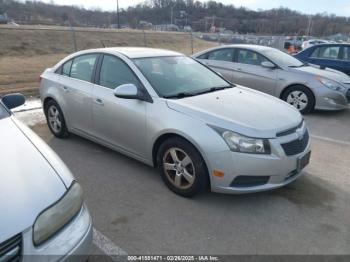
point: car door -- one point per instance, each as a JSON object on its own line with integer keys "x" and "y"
{"x": 118, "y": 122}
{"x": 249, "y": 72}
{"x": 76, "y": 81}
{"x": 327, "y": 56}
{"x": 221, "y": 61}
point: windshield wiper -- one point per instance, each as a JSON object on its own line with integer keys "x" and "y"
{"x": 180, "y": 95}
{"x": 302, "y": 65}
{"x": 213, "y": 89}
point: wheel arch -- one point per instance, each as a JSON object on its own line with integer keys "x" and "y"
{"x": 163, "y": 137}
{"x": 285, "y": 89}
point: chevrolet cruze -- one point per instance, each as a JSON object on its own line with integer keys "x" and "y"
{"x": 43, "y": 215}
{"x": 171, "y": 112}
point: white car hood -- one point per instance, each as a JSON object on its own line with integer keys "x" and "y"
{"x": 28, "y": 183}
{"x": 242, "y": 110}
{"x": 328, "y": 73}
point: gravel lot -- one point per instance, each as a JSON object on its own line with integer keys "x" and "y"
{"x": 136, "y": 212}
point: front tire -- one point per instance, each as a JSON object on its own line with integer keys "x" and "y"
{"x": 55, "y": 120}
{"x": 300, "y": 97}
{"x": 181, "y": 167}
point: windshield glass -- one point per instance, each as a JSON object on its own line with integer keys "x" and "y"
{"x": 179, "y": 75}
{"x": 3, "y": 112}
{"x": 282, "y": 59}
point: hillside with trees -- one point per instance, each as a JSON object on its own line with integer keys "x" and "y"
{"x": 200, "y": 16}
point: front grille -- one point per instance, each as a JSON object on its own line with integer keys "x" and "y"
{"x": 11, "y": 249}
{"x": 296, "y": 146}
{"x": 249, "y": 181}
{"x": 348, "y": 95}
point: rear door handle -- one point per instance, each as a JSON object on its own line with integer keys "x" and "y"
{"x": 65, "y": 88}
{"x": 239, "y": 69}
{"x": 99, "y": 101}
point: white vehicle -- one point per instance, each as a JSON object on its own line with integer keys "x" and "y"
{"x": 312, "y": 42}
{"x": 43, "y": 215}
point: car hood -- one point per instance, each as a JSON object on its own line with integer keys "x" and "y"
{"x": 28, "y": 183}
{"x": 242, "y": 110}
{"x": 328, "y": 73}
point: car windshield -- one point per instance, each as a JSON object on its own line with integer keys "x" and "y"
{"x": 282, "y": 59}
{"x": 3, "y": 112}
{"x": 179, "y": 76}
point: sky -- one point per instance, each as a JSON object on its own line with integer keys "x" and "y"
{"x": 338, "y": 7}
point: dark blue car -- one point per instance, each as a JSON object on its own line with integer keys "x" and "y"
{"x": 336, "y": 56}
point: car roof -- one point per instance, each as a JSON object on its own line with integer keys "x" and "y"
{"x": 258, "y": 48}
{"x": 134, "y": 52}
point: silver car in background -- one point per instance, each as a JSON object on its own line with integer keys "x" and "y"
{"x": 43, "y": 215}
{"x": 171, "y": 112}
{"x": 276, "y": 73}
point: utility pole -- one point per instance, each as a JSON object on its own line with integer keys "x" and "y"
{"x": 309, "y": 26}
{"x": 118, "y": 20}
{"x": 171, "y": 15}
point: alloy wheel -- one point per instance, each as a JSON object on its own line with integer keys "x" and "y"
{"x": 179, "y": 168}
{"x": 54, "y": 119}
{"x": 298, "y": 99}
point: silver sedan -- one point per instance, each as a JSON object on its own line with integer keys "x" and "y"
{"x": 171, "y": 112}
{"x": 271, "y": 71}
{"x": 43, "y": 215}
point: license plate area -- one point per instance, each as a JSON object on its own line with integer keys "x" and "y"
{"x": 303, "y": 161}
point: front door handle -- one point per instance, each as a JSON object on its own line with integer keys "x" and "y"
{"x": 65, "y": 88}
{"x": 99, "y": 101}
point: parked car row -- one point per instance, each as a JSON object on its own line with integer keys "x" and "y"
{"x": 195, "y": 121}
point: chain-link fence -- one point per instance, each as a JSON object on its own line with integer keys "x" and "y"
{"x": 27, "y": 50}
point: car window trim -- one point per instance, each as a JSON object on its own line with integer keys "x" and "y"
{"x": 97, "y": 76}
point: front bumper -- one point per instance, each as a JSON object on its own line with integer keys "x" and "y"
{"x": 332, "y": 100}
{"x": 72, "y": 243}
{"x": 277, "y": 168}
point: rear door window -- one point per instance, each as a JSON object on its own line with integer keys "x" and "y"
{"x": 225, "y": 54}
{"x": 83, "y": 66}
{"x": 66, "y": 68}
{"x": 346, "y": 53}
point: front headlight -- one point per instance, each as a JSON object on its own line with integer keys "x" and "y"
{"x": 240, "y": 143}
{"x": 58, "y": 215}
{"x": 331, "y": 84}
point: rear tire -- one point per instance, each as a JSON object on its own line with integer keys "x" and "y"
{"x": 55, "y": 119}
{"x": 300, "y": 97}
{"x": 181, "y": 167}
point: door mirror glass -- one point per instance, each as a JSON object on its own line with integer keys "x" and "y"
{"x": 268, "y": 64}
{"x": 13, "y": 100}
{"x": 127, "y": 91}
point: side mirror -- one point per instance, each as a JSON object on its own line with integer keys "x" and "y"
{"x": 13, "y": 100}
{"x": 268, "y": 64}
{"x": 127, "y": 91}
